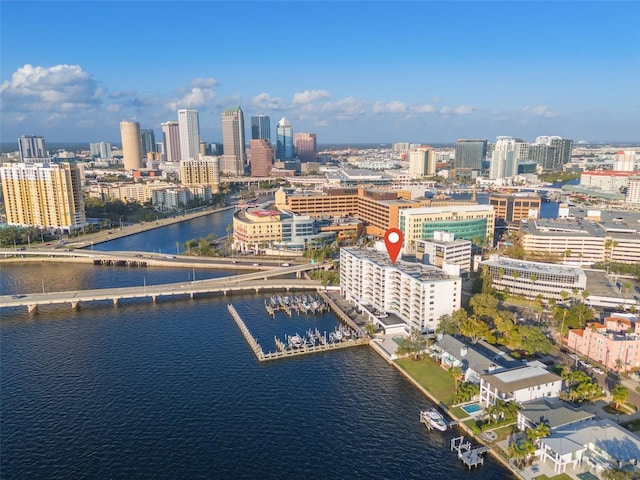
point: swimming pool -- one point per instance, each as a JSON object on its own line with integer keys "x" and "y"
{"x": 472, "y": 408}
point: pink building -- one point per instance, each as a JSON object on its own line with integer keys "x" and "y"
{"x": 614, "y": 344}
{"x": 306, "y": 148}
{"x": 261, "y": 158}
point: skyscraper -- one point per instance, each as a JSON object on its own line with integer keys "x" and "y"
{"x": 43, "y": 195}
{"x": 422, "y": 161}
{"x": 234, "y": 157}
{"x": 504, "y": 160}
{"x": 551, "y": 152}
{"x": 261, "y": 158}
{"x": 131, "y": 145}
{"x": 171, "y": 134}
{"x": 148, "y": 140}
{"x": 284, "y": 135}
{"x": 32, "y": 149}
{"x": 261, "y": 128}
{"x": 189, "y": 134}
{"x": 305, "y": 146}
{"x": 470, "y": 154}
{"x": 100, "y": 150}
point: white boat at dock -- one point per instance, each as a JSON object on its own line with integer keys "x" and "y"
{"x": 434, "y": 419}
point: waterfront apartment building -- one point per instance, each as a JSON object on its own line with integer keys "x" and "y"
{"x": 504, "y": 159}
{"x": 306, "y": 147}
{"x": 261, "y": 128}
{"x": 32, "y": 149}
{"x": 585, "y": 237}
{"x": 469, "y": 154}
{"x": 422, "y": 162}
{"x": 615, "y": 344}
{"x": 189, "y": 125}
{"x": 532, "y": 279}
{"x": 131, "y": 145}
{"x": 127, "y": 192}
{"x": 43, "y": 195}
{"x": 234, "y": 156}
{"x": 417, "y": 294}
{"x": 515, "y": 207}
{"x": 468, "y": 222}
{"x": 262, "y": 157}
{"x": 204, "y": 171}
{"x": 284, "y": 137}
{"x": 171, "y": 136}
{"x": 444, "y": 248}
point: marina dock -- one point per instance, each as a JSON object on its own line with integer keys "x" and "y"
{"x": 471, "y": 457}
{"x": 312, "y": 342}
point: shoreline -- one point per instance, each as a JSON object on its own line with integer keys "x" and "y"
{"x": 464, "y": 428}
{"x": 89, "y": 239}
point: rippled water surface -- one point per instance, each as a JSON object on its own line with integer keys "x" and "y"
{"x": 171, "y": 390}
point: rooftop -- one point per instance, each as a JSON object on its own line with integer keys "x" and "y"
{"x": 419, "y": 271}
{"x": 447, "y": 209}
{"x": 520, "y": 378}
{"x": 556, "y": 414}
{"x": 536, "y": 267}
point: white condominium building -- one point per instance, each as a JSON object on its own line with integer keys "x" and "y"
{"x": 417, "y": 294}
{"x": 45, "y": 195}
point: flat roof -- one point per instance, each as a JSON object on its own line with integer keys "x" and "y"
{"x": 536, "y": 267}
{"x": 520, "y": 378}
{"x": 449, "y": 208}
{"x": 419, "y": 271}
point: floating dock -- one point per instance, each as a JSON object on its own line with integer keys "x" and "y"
{"x": 342, "y": 337}
{"x": 471, "y": 457}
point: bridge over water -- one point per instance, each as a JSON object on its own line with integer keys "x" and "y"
{"x": 250, "y": 282}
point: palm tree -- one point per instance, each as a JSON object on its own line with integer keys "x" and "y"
{"x": 540, "y": 431}
{"x": 564, "y": 295}
{"x": 609, "y": 245}
{"x": 619, "y": 395}
{"x": 520, "y": 451}
{"x": 493, "y": 412}
{"x": 534, "y": 279}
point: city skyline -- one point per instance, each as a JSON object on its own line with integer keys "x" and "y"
{"x": 351, "y": 74}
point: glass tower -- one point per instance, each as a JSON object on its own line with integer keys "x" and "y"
{"x": 284, "y": 134}
{"x": 261, "y": 128}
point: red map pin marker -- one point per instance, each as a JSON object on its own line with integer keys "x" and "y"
{"x": 393, "y": 241}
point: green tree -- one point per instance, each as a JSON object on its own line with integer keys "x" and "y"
{"x": 619, "y": 395}
{"x": 520, "y": 451}
{"x": 466, "y": 392}
{"x": 484, "y": 305}
{"x": 205, "y": 247}
{"x": 450, "y": 324}
{"x": 533, "y": 340}
{"x": 475, "y": 329}
{"x": 414, "y": 345}
{"x": 540, "y": 431}
{"x": 457, "y": 374}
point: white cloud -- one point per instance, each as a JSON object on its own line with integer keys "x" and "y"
{"x": 423, "y": 108}
{"x": 37, "y": 88}
{"x": 265, "y": 101}
{"x": 540, "y": 111}
{"x": 199, "y": 94}
{"x": 309, "y": 96}
{"x": 390, "y": 107}
{"x": 345, "y": 109}
{"x": 459, "y": 110}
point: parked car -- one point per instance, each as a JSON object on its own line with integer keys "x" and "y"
{"x": 286, "y": 265}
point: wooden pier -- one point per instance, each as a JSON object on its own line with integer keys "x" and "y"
{"x": 471, "y": 457}
{"x": 283, "y": 352}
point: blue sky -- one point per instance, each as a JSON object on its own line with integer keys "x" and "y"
{"x": 352, "y": 72}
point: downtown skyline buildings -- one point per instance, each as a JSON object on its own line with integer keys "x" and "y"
{"x": 65, "y": 90}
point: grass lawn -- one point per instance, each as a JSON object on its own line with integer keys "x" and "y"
{"x": 431, "y": 377}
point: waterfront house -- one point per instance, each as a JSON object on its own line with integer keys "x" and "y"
{"x": 520, "y": 384}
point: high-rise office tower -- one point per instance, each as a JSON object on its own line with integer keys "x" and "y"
{"x": 504, "y": 160}
{"x": 171, "y": 135}
{"x": 234, "y": 156}
{"x": 189, "y": 134}
{"x": 32, "y": 149}
{"x": 422, "y": 161}
{"x": 305, "y": 146}
{"x": 100, "y": 150}
{"x": 284, "y": 136}
{"x": 261, "y": 128}
{"x": 557, "y": 153}
{"x": 46, "y": 195}
{"x": 204, "y": 171}
{"x": 470, "y": 154}
{"x": 131, "y": 145}
{"x": 148, "y": 141}
{"x": 261, "y": 158}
